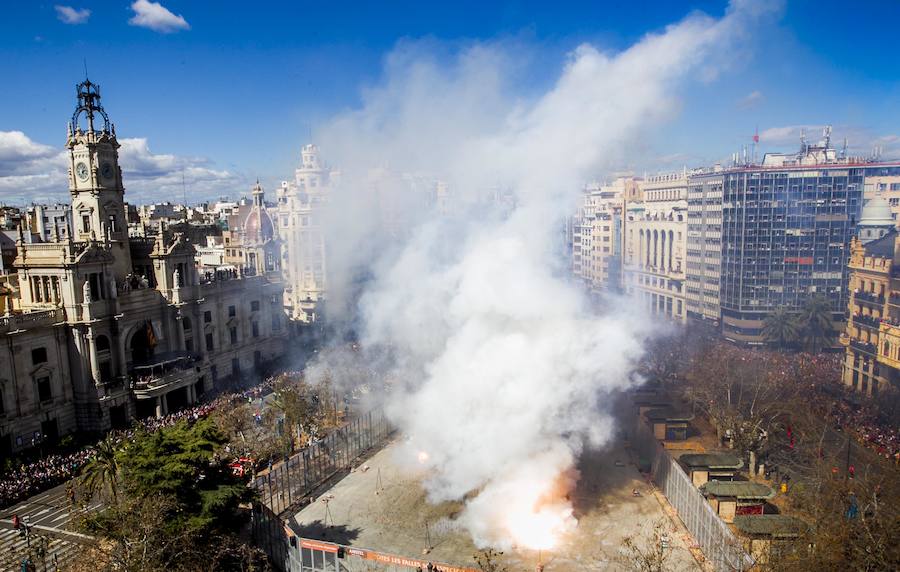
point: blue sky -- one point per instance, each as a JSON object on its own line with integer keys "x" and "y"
{"x": 230, "y": 91}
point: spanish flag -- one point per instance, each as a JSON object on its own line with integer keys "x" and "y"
{"x": 151, "y": 337}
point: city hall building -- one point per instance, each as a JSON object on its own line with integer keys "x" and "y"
{"x": 101, "y": 328}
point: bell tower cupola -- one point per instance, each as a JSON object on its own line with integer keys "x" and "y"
{"x": 95, "y": 179}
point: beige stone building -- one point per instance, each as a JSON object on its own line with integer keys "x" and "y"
{"x": 597, "y": 234}
{"x": 655, "y": 240}
{"x": 102, "y": 328}
{"x": 301, "y": 214}
{"x": 872, "y": 334}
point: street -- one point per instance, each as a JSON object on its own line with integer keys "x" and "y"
{"x": 48, "y": 514}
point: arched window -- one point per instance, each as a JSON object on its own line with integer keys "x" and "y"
{"x": 103, "y": 356}
{"x": 188, "y": 334}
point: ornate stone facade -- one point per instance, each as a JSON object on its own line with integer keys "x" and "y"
{"x": 107, "y": 328}
{"x": 301, "y": 214}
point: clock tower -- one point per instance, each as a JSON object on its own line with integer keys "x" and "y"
{"x": 95, "y": 179}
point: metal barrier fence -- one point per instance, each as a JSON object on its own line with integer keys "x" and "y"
{"x": 720, "y": 546}
{"x": 290, "y": 482}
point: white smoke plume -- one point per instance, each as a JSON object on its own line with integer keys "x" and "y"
{"x": 506, "y": 368}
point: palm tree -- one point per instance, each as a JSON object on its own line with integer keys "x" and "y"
{"x": 102, "y": 472}
{"x": 815, "y": 322}
{"x": 781, "y": 326}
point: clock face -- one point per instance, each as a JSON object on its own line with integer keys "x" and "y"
{"x": 81, "y": 170}
{"x": 106, "y": 171}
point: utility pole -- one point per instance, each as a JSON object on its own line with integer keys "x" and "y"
{"x": 847, "y": 468}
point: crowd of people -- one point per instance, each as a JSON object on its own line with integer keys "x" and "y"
{"x": 870, "y": 431}
{"x": 51, "y": 470}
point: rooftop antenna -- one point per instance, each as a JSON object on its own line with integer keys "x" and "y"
{"x": 755, "y": 143}
{"x": 84, "y": 61}
{"x": 844, "y": 149}
{"x": 183, "y": 188}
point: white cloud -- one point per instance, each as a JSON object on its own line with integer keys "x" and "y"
{"x": 15, "y": 146}
{"x": 149, "y": 176}
{"x": 156, "y": 17}
{"x": 751, "y": 100}
{"x": 71, "y": 15}
{"x": 35, "y": 172}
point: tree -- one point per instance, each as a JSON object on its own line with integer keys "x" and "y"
{"x": 101, "y": 474}
{"x": 649, "y": 552}
{"x": 177, "y": 507}
{"x": 136, "y": 535}
{"x": 743, "y": 393}
{"x": 182, "y": 462}
{"x": 781, "y": 327}
{"x": 815, "y": 323}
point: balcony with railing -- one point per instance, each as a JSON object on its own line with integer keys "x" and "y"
{"x": 868, "y": 298}
{"x": 29, "y": 320}
{"x": 867, "y": 321}
{"x": 864, "y": 347}
{"x": 165, "y": 372}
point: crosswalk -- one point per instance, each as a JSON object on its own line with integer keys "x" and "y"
{"x": 50, "y": 517}
{"x": 14, "y": 548}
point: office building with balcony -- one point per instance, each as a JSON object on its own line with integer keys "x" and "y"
{"x": 596, "y": 234}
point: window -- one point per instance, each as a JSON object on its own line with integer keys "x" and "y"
{"x": 113, "y": 225}
{"x": 102, "y": 344}
{"x": 38, "y": 356}
{"x": 233, "y": 332}
{"x": 43, "y": 386}
{"x": 232, "y": 311}
{"x": 209, "y": 342}
{"x": 255, "y": 329}
{"x": 105, "y": 371}
{"x": 86, "y": 222}
{"x": 207, "y": 317}
{"x": 254, "y": 306}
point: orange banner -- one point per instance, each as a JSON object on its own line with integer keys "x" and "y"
{"x": 381, "y": 557}
{"x": 317, "y": 545}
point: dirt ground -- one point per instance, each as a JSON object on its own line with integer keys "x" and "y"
{"x": 393, "y": 520}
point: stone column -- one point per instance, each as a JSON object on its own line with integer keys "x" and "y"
{"x": 165, "y": 404}
{"x": 82, "y": 349}
{"x": 665, "y": 254}
{"x": 92, "y": 351}
{"x": 662, "y": 251}
{"x": 179, "y": 332}
{"x": 121, "y": 363}
{"x": 657, "y": 257}
{"x": 159, "y": 407}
